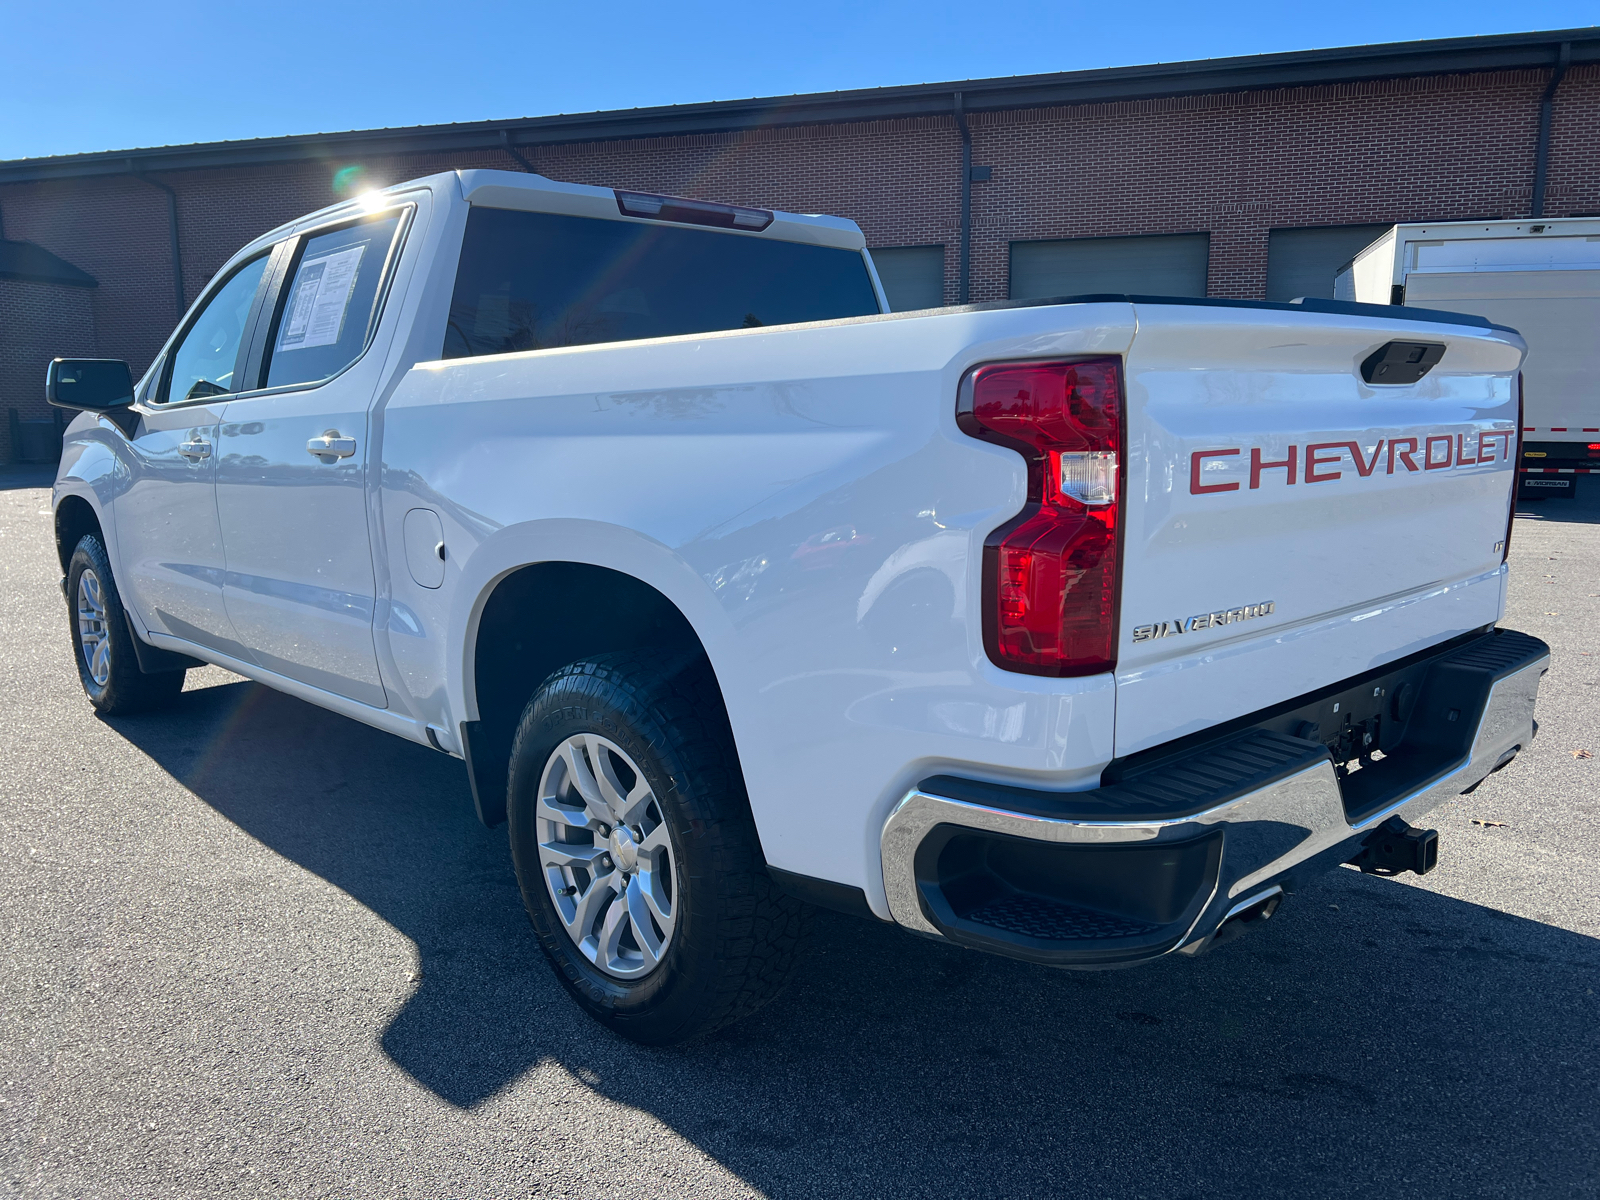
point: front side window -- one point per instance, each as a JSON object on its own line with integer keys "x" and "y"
{"x": 326, "y": 313}
{"x": 529, "y": 281}
{"x": 203, "y": 363}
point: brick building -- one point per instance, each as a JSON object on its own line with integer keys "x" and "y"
{"x": 1248, "y": 177}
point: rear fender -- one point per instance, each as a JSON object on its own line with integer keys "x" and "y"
{"x": 591, "y": 543}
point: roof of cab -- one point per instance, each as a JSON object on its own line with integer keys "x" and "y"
{"x": 536, "y": 193}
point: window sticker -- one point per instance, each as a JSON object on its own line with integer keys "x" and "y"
{"x": 321, "y": 296}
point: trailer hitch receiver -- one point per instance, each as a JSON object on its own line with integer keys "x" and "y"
{"x": 1395, "y": 847}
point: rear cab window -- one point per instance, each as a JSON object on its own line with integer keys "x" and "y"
{"x": 327, "y": 312}
{"x": 532, "y": 281}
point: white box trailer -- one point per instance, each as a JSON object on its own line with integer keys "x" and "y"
{"x": 1541, "y": 278}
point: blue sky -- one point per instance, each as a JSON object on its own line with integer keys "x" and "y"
{"x": 102, "y": 75}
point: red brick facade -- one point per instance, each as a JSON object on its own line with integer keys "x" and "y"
{"x": 34, "y": 316}
{"x": 1235, "y": 165}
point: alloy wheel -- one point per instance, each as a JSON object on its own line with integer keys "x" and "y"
{"x": 94, "y": 635}
{"x": 606, "y": 856}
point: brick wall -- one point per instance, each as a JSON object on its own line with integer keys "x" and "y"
{"x": 1235, "y": 165}
{"x": 38, "y": 321}
{"x": 1450, "y": 147}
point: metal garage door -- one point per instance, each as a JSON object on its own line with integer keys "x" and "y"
{"x": 913, "y": 276}
{"x": 1166, "y": 265}
{"x": 1303, "y": 262}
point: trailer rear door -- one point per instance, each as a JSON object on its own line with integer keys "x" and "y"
{"x": 1557, "y": 313}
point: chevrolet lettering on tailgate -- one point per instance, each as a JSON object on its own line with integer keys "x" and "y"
{"x": 1424, "y": 452}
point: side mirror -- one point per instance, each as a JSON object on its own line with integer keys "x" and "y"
{"x": 93, "y": 384}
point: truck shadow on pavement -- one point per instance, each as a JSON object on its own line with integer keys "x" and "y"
{"x": 1373, "y": 1037}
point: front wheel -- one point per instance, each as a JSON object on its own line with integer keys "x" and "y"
{"x": 636, "y": 854}
{"x": 108, "y": 668}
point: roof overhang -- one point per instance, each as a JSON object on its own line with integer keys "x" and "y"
{"x": 35, "y": 264}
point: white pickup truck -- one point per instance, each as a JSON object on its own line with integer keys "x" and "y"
{"x": 1077, "y": 631}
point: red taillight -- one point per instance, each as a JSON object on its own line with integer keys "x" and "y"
{"x": 1051, "y": 574}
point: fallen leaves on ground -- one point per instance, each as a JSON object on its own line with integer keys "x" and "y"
{"x": 1490, "y": 824}
{"x": 1581, "y": 754}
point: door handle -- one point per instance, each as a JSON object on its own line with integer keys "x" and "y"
{"x": 332, "y": 444}
{"x": 195, "y": 449}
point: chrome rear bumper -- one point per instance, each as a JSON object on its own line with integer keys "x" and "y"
{"x": 1301, "y": 811}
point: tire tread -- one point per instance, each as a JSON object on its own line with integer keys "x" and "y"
{"x": 760, "y": 930}
{"x": 127, "y": 690}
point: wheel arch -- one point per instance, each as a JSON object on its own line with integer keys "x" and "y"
{"x": 534, "y": 615}
{"x": 74, "y": 518}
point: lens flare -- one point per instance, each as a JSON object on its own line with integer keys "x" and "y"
{"x": 345, "y": 179}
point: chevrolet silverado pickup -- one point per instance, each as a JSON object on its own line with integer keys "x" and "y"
{"x": 1076, "y": 630}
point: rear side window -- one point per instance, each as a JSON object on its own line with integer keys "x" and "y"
{"x": 530, "y": 281}
{"x": 327, "y": 311}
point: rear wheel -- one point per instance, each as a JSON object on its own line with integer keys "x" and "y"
{"x": 107, "y": 665}
{"x": 636, "y": 855}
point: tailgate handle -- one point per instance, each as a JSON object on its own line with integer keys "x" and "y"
{"x": 1396, "y": 363}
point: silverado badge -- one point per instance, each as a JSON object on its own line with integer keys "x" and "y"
{"x": 1161, "y": 629}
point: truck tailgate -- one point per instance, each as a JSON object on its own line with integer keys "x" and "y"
{"x": 1288, "y": 524}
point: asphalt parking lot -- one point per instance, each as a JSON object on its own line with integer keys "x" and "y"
{"x": 251, "y": 948}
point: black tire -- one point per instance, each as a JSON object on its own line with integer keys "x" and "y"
{"x": 736, "y": 935}
{"x": 125, "y": 689}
